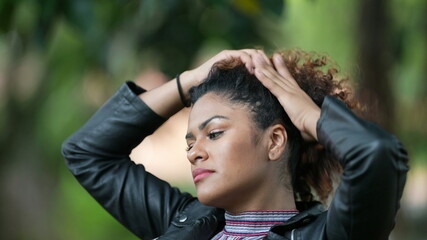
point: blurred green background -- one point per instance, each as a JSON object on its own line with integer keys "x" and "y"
{"x": 60, "y": 60}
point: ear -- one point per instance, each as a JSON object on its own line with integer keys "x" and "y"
{"x": 277, "y": 141}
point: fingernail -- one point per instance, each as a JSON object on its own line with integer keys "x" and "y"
{"x": 278, "y": 57}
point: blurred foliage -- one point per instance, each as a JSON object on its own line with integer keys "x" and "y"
{"x": 60, "y": 60}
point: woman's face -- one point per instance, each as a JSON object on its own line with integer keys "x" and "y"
{"x": 228, "y": 153}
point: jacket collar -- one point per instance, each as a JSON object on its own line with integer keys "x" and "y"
{"x": 199, "y": 220}
{"x": 313, "y": 210}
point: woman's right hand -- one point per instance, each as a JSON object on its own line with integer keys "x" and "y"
{"x": 165, "y": 100}
{"x": 196, "y": 76}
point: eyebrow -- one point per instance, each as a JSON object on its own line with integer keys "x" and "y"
{"x": 205, "y": 123}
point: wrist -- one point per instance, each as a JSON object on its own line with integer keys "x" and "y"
{"x": 182, "y": 95}
{"x": 188, "y": 80}
{"x": 311, "y": 123}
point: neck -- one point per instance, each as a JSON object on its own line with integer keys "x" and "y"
{"x": 274, "y": 197}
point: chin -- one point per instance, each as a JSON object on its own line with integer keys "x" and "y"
{"x": 207, "y": 202}
{"x": 210, "y": 198}
{"x": 206, "y": 197}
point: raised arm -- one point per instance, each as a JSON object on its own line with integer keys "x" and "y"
{"x": 375, "y": 166}
{"x": 98, "y": 156}
{"x": 98, "y": 153}
{"x": 374, "y": 161}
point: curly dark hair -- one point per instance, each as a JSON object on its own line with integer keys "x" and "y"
{"x": 309, "y": 165}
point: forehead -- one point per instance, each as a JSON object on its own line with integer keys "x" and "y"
{"x": 212, "y": 104}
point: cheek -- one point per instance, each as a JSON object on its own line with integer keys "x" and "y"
{"x": 237, "y": 157}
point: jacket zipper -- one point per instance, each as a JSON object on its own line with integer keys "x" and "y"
{"x": 292, "y": 234}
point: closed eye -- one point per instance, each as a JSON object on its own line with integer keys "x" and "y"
{"x": 188, "y": 148}
{"x": 212, "y": 136}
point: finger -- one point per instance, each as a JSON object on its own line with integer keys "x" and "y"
{"x": 266, "y": 69}
{"x": 280, "y": 66}
{"x": 243, "y": 56}
{"x": 250, "y": 65}
{"x": 262, "y": 53}
{"x": 268, "y": 76}
{"x": 271, "y": 85}
{"x": 247, "y": 60}
{"x": 261, "y": 61}
{"x": 255, "y": 52}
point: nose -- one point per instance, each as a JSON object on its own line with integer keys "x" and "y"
{"x": 197, "y": 153}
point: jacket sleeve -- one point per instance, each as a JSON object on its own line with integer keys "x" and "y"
{"x": 98, "y": 156}
{"x": 374, "y": 173}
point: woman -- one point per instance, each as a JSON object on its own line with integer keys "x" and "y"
{"x": 252, "y": 144}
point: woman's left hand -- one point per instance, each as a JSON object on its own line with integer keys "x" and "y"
{"x": 301, "y": 109}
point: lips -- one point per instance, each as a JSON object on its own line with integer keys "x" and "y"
{"x": 200, "y": 173}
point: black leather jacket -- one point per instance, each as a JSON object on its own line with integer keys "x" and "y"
{"x": 364, "y": 205}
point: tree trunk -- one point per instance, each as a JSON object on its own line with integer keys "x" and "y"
{"x": 375, "y": 55}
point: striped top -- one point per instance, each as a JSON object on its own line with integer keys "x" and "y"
{"x": 251, "y": 225}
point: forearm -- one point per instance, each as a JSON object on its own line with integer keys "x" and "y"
{"x": 98, "y": 156}
{"x": 165, "y": 99}
{"x": 118, "y": 126}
